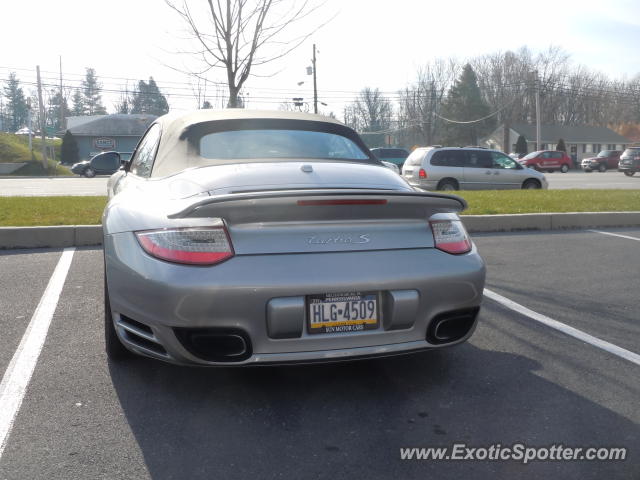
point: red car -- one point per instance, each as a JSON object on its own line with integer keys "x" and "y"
{"x": 605, "y": 160}
{"x": 548, "y": 160}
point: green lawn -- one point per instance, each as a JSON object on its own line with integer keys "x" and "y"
{"x": 33, "y": 211}
{"x": 493, "y": 202}
{"x": 29, "y": 211}
{"x": 15, "y": 149}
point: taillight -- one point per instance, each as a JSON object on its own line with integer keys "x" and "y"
{"x": 422, "y": 173}
{"x": 192, "y": 246}
{"x": 450, "y": 236}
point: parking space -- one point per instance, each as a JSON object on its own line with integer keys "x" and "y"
{"x": 23, "y": 277}
{"x": 514, "y": 381}
{"x": 585, "y": 279}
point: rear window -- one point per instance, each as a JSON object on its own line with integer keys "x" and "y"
{"x": 234, "y": 145}
{"x": 448, "y": 158}
{"x": 391, "y": 153}
{"x": 631, "y": 151}
{"x": 531, "y": 155}
{"x": 415, "y": 157}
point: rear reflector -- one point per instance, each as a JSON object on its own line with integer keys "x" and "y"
{"x": 192, "y": 246}
{"x": 353, "y": 201}
{"x": 450, "y": 236}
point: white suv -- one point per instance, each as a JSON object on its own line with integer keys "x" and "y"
{"x": 468, "y": 168}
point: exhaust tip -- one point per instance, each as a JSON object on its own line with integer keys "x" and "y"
{"x": 451, "y": 326}
{"x": 214, "y": 344}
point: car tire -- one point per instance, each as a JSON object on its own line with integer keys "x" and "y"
{"x": 116, "y": 351}
{"x": 531, "y": 184}
{"x": 89, "y": 173}
{"x": 448, "y": 185}
{"x": 564, "y": 168}
{"x": 602, "y": 168}
{"x": 629, "y": 174}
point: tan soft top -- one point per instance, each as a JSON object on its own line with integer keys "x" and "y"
{"x": 175, "y": 124}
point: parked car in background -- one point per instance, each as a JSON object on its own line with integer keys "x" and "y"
{"x": 630, "y": 161}
{"x": 245, "y": 237}
{"x": 547, "y": 160}
{"x": 106, "y": 163}
{"x": 393, "y": 155}
{"x": 605, "y": 160}
{"x": 468, "y": 168}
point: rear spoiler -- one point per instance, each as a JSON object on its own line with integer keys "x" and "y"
{"x": 439, "y": 201}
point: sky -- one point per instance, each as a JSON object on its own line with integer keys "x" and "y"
{"x": 364, "y": 43}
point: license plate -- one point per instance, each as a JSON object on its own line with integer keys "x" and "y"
{"x": 342, "y": 312}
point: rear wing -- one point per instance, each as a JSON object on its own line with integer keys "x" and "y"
{"x": 322, "y": 204}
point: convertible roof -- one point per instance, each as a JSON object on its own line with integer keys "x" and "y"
{"x": 176, "y": 126}
{"x": 180, "y": 121}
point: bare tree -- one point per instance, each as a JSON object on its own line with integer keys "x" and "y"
{"x": 420, "y": 103}
{"x": 238, "y": 35}
{"x": 371, "y": 114}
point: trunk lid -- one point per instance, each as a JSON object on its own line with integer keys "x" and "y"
{"x": 325, "y": 220}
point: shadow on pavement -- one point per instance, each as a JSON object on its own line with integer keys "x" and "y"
{"x": 349, "y": 420}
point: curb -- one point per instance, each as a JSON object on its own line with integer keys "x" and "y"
{"x": 90, "y": 235}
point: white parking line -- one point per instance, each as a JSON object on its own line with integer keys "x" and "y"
{"x": 615, "y": 235}
{"x": 16, "y": 378}
{"x": 566, "y": 329}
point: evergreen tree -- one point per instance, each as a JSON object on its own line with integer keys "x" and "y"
{"x": 561, "y": 146}
{"x": 464, "y": 103}
{"x": 206, "y": 105}
{"x": 521, "y": 146}
{"x": 57, "y": 102}
{"x": 124, "y": 104}
{"x": 149, "y": 99}
{"x": 69, "y": 149}
{"x": 77, "y": 100}
{"x": 91, "y": 97}
{"x": 17, "y": 109}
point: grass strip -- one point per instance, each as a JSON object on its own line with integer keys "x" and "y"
{"x": 45, "y": 211}
{"x": 493, "y": 202}
{"x": 34, "y": 211}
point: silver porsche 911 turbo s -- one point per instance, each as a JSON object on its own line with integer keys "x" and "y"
{"x": 240, "y": 237}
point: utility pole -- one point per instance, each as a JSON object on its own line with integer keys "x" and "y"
{"x": 61, "y": 98}
{"x": 42, "y": 121}
{"x": 315, "y": 84}
{"x": 537, "y": 93}
{"x": 29, "y": 126}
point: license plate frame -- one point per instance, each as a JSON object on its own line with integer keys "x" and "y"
{"x": 321, "y": 320}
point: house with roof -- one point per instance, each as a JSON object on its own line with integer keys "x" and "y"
{"x": 102, "y": 133}
{"x": 581, "y": 140}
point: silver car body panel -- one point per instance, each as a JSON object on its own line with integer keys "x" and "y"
{"x": 285, "y": 250}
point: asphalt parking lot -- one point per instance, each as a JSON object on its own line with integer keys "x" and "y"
{"x": 516, "y": 380}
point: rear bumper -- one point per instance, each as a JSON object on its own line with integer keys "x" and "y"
{"x": 262, "y": 296}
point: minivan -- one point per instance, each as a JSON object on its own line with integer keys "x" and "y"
{"x": 468, "y": 168}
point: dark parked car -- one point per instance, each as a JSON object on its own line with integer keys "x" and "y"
{"x": 106, "y": 163}
{"x": 630, "y": 161}
{"x": 605, "y": 160}
{"x": 392, "y": 155}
